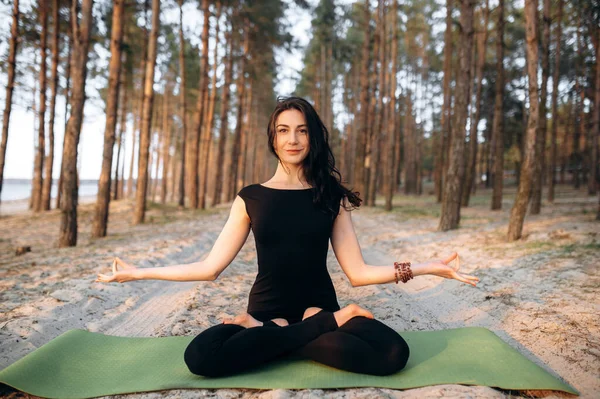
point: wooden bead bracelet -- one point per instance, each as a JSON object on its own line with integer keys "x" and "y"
{"x": 402, "y": 271}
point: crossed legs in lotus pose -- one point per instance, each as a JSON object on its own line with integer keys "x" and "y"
{"x": 349, "y": 339}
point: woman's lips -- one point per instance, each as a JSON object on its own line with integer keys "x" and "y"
{"x": 293, "y": 151}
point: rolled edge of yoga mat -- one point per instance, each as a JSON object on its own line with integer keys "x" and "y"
{"x": 151, "y": 364}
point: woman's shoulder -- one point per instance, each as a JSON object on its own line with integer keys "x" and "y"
{"x": 249, "y": 190}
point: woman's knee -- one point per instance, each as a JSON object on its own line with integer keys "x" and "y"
{"x": 202, "y": 354}
{"x": 396, "y": 356}
{"x": 197, "y": 357}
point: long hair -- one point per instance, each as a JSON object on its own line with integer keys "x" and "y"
{"x": 319, "y": 165}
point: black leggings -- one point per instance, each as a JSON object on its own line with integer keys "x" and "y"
{"x": 361, "y": 345}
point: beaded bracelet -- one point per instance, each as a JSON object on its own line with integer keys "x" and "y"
{"x": 402, "y": 271}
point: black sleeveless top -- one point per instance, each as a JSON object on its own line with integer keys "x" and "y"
{"x": 292, "y": 238}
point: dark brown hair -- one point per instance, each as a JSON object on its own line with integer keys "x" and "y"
{"x": 319, "y": 165}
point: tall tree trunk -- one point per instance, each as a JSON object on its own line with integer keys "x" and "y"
{"x": 389, "y": 183}
{"x": 517, "y": 214}
{"x": 138, "y": 120}
{"x": 142, "y": 181}
{"x": 471, "y": 168}
{"x": 597, "y": 124}
{"x": 540, "y": 144}
{"x": 249, "y": 137}
{"x": 450, "y": 217}
{"x": 374, "y": 110}
{"x": 112, "y": 106}
{"x": 157, "y": 155}
{"x": 47, "y": 186}
{"x": 208, "y": 129}
{"x": 223, "y": 131}
{"x": 596, "y": 129}
{"x": 359, "y": 180}
{"x": 10, "y": 85}
{"x": 70, "y": 188}
{"x": 38, "y": 170}
{"x": 591, "y": 140}
{"x": 409, "y": 147}
{"x": 555, "y": 77}
{"x": 182, "y": 94}
{"x": 196, "y": 150}
{"x": 335, "y": 139}
{"x": 35, "y": 132}
{"x": 121, "y": 186}
{"x": 166, "y": 145}
{"x": 134, "y": 135}
{"x": 67, "y": 89}
{"x": 119, "y": 182}
{"x": 576, "y": 156}
{"x": 230, "y": 192}
{"x": 440, "y": 161}
{"x": 244, "y": 139}
{"x": 498, "y": 126}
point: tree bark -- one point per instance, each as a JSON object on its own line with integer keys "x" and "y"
{"x": 160, "y": 136}
{"x": 70, "y": 188}
{"x": 440, "y": 160}
{"x": 10, "y": 85}
{"x": 67, "y": 102}
{"x": 49, "y": 160}
{"x": 166, "y": 145}
{"x": 124, "y": 89}
{"x": 244, "y": 139}
{"x": 555, "y": 77}
{"x": 35, "y": 113}
{"x": 596, "y": 132}
{"x": 410, "y": 147}
{"x": 576, "y": 155}
{"x": 112, "y": 105}
{"x": 142, "y": 181}
{"x": 208, "y": 129}
{"x": 134, "y": 135}
{"x": 223, "y": 132}
{"x": 358, "y": 181}
{"x": 138, "y": 119}
{"x": 450, "y": 215}
{"x": 38, "y": 170}
{"x": 498, "y": 126}
{"x": 229, "y": 192}
{"x": 540, "y": 150}
{"x": 374, "y": 110}
{"x": 389, "y": 183}
{"x": 517, "y": 214}
{"x": 592, "y": 135}
{"x": 470, "y": 179}
{"x": 182, "y": 94}
{"x": 196, "y": 150}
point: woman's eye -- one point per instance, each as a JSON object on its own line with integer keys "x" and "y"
{"x": 304, "y": 131}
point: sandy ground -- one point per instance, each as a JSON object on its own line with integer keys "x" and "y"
{"x": 540, "y": 294}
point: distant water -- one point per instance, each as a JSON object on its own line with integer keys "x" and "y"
{"x": 13, "y": 189}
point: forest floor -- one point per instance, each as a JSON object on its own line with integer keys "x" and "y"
{"x": 540, "y": 294}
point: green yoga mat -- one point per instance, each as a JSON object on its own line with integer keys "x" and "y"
{"x": 81, "y": 364}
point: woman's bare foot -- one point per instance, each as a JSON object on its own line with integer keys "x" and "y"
{"x": 244, "y": 320}
{"x": 310, "y": 312}
{"x": 343, "y": 315}
{"x": 281, "y": 322}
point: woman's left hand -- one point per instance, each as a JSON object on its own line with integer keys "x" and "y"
{"x": 442, "y": 268}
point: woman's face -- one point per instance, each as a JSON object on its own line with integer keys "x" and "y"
{"x": 291, "y": 133}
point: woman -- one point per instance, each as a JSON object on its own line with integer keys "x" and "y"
{"x": 292, "y": 306}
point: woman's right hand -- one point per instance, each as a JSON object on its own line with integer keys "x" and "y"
{"x": 120, "y": 276}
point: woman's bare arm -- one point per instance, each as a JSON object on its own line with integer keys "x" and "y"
{"x": 347, "y": 251}
{"x": 228, "y": 244}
